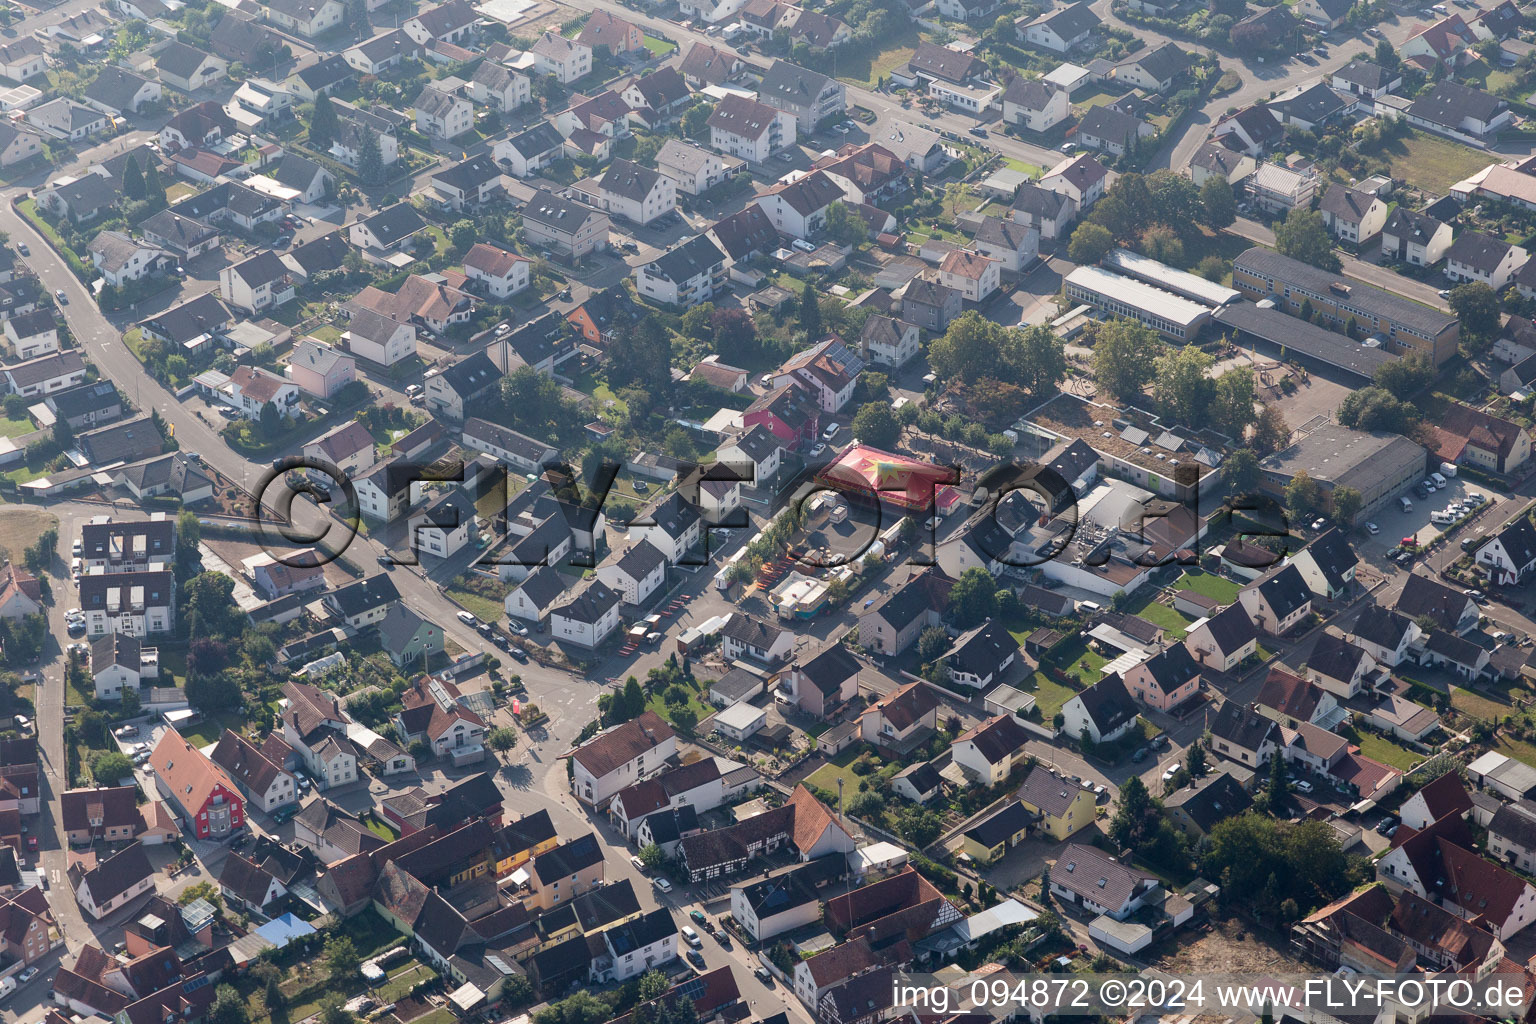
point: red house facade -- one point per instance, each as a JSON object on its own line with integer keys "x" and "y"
{"x": 789, "y": 412}
{"x": 209, "y": 803}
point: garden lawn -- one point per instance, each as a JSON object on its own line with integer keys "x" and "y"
{"x": 1469, "y": 703}
{"x": 1023, "y": 168}
{"x": 1049, "y": 695}
{"x": 1214, "y": 587}
{"x": 700, "y": 707}
{"x": 1176, "y": 623}
{"x": 1520, "y": 750}
{"x": 1379, "y": 748}
{"x": 866, "y": 69}
{"x": 1086, "y": 667}
{"x": 208, "y": 731}
{"x": 660, "y": 47}
{"x": 1433, "y": 164}
{"x": 478, "y": 605}
{"x": 326, "y": 333}
{"x": 15, "y": 428}
{"x": 838, "y": 768}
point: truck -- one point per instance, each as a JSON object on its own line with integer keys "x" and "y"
{"x": 1448, "y": 468}
{"x": 7, "y": 986}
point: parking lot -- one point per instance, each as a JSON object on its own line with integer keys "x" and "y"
{"x": 1396, "y": 524}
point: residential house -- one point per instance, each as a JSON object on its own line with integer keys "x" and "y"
{"x": 1415, "y": 238}
{"x": 588, "y": 617}
{"x": 1034, "y": 105}
{"x": 306, "y": 18}
{"x": 1061, "y": 30}
{"x": 566, "y": 59}
{"x": 1103, "y": 712}
{"x": 1217, "y": 160}
{"x": 1366, "y": 79}
{"x": 929, "y": 304}
{"x": 1352, "y": 215}
{"x": 1470, "y": 437}
{"x": 974, "y": 276}
{"x": 1087, "y": 877}
{"x": 1062, "y": 806}
{"x": 1224, "y": 640}
{"x": 121, "y": 260}
{"x": 187, "y": 68}
{"x": 820, "y": 686}
{"x": 619, "y": 757}
{"x": 1474, "y": 256}
{"x": 566, "y": 226}
{"x": 210, "y": 804}
{"x": 1049, "y": 213}
{"x": 1278, "y": 603}
{"x": 637, "y": 573}
{"x": 902, "y": 719}
{"x": 1279, "y": 189}
{"x": 442, "y": 115}
{"x": 685, "y": 275}
{"x": 408, "y": 638}
{"x": 1451, "y": 610}
{"x": 108, "y": 813}
{"x": 136, "y": 603}
{"x": 318, "y": 369}
{"x": 1458, "y": 110}
{"x": 744, "y": 128}
{"x": 257, "y": 284}
{"x": 31, "y": 335}
{"x": 1166, "y": 680}
{"x": 499, "y": 87}
{"x": 744, "y": 636}
{"x": 1107, "y": 127}
{"x": 1081, "y": 179}
{"x": 263, "y": 782}
{"x": 112, "y": 883}
{"x": 809, "y": 96}
{"x": 799, "y": 208}
{"x": 1509, "y": 556}
{"x": 692, "y": 170}
{"x": 991, "y": 750}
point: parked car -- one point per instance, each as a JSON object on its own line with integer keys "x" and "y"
{"x": 698, "y": 917}
{"x": 518, "y": 654}
{"x": 662, "y": 885}
{"x": 1303, "y": 786}
{"x": 58, "y": 293}
{"x": 1372, "y": 528}
{"x": 467, "y": 618}
{"x": 764, "y": 975}
{"x": 27, "y": 975}
{"x": 1140, "y": 755}
{"x": 697, "y": 959}
{"x": 23, "y": 249}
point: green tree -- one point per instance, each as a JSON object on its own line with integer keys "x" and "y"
{"x": 132, "y": 703}
{"x": 875, "y": 424}
{"x": 133, "y": 179}
{"x": 1090, "y": 243}
{"x": 1270, "y": 431}
{"x": 370, "y": 162}
{"x": 696, "y": 121}
{"x": 1477, "y": 307}
{"x": 341, "y": 958}
{"x": 189, "y": 534}
{"x": 1347, "y": 503}
{"x": 322, "y": 124}
{"x": 1303, "y": 497}
{"x": 971, "y": 348}
{"x": 333, "y": 1010}
{"x": 1125, "y": 357}
{"x": 652, "y": 983}
{"x": 1404, "y": 377}
{"x": 652, "y": 856}
{"x": 1180, "y": 385}
{"x": 973, "y": 598}
{"x": 844, "y": 226}
{"x": 1131, "y": 823}
{"x": 1374, "y": 408}
{"x": 1126, "y": 208}
{"x": 108, "y": 768}
{"x": 1194, "y": 760}
{"x": 1218, "y": 208}
{"x": 463, "y": 235}
{"x": 1038, "y": 359}
{"x": 634, "y": 698}
{"x": 1303, "y": 237}
{"x": 1241, "y": 471}
{"x": 502, "y": 739}
{"x": 810, "y": 312}
{"x": 154, "y": 191}
{"x": 228, "y": 1007}
{"x": 1232, "y": 401}
{"x": 1003, "y": 29}
{"x": 932, "y": 642}
{"x": 1386, "y": 55}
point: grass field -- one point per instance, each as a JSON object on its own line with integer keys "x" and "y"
{"x": 1432, "y": 163}
{"x": 212, "y": 727}
{"x": 1469, "y": 703}
{"x": 1176, "y": 623}
{"x": 1379, "y": 748}
{"x": 1023, "y": 168}
{"x": 838, "y": 768}
{"x": 660, "y": 47}
{"x": 1214, "y": 587}
{"x": 479, "y": 605}
{"x": 1049, "y": 695}
{"x": 20, "y": 527}
{"x": 1520, "y": 750}
{"x": 327, "y": 333}
{"x": 867, "y": 69}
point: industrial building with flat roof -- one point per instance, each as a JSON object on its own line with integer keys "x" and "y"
{"x": 1293, "y": 337}
{"x": 1378, "y": 464}
{"x": 1170, "y": 315}
{"x": 1406, "y": 326}
{"x": 1170, "y": 279}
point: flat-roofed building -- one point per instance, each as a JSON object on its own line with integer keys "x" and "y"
{"x": 1377, "y": 464}
{"x": 1170, "y": 315}
{"x": 1404, "y": 325}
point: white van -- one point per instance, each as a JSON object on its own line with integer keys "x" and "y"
{"x": 692, "y": 937}
{"x": 1438, "y": 479}
{"x": 1441, "y": 518}
{"x": 1406, "y": 504}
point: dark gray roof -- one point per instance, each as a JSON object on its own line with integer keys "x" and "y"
{"x": 1215, "y": 798}
{"x": 1109, "y": 124}
{"x": 640, "y": 560}
{"x": 539, "y": 139}
{"x": 1314, "y": 105}
{"x": 1000, "y": 827}
{"x": 1335, "y": 657}
{"x": 983, "y": 650}
{"x": 1240, "y": 725}
{"x": 1483, "y": 253}
{"x": 1374, "y": 301}
{"x": 673, "y": 514}
{"x": 791, "y": 83}
{"x": 543, "y": 586}
{"x": 469, "y": 175}
{"x": 590, "y": 604}
{"x": 179, "y": 59}
{"x": 1164, "y": 62}
{"x": 1070, "y": 21}
{"x": 1411, "y": 225}
{"x": 679, "y": 265}
{"x": 1449, "y": 102}
{"x": 1424, "y": 596}
{"x": 395, "y": 223}
{"x": 830, "y": 668}
{"x": 502, "y": 437}
{"x": 630, "y": 180}
{"x": 1519, "y": 540}
{"x": 327, "y": 74}
{"x": 1231, "y": 628}
{"x": 1382, "y": 626}
{"x": 1108, "y": 703}
{"x": 471, "y": 375}
{"x": 1333, "y": 556}
{"x": 1095, "y": 875}
{"x": 556, "y": 211}
{"x": 1349, "y": 204}
{"x": 1285, "y": 591}
{"x": 1364, "y": 74}
{"x": 364, "y": 595}
{"x": 1516, "y": 822}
